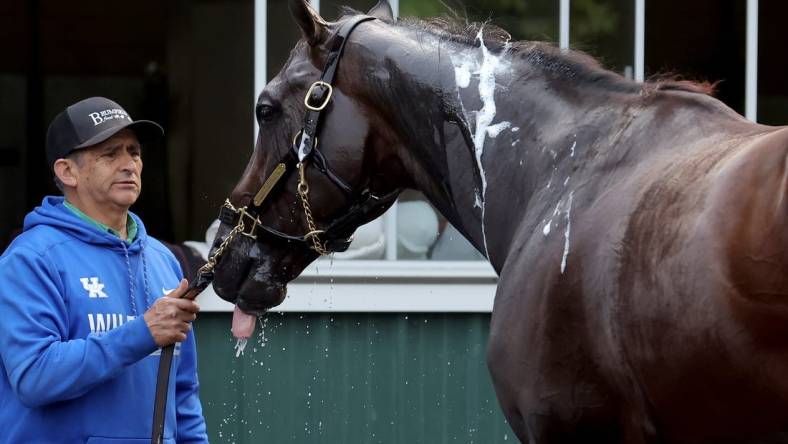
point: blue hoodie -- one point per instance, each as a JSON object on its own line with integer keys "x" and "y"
{"x": 78, "y": 361}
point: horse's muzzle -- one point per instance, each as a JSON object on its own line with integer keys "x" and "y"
{"x": 254, "y": 294}
{"x": 257, "y": 297}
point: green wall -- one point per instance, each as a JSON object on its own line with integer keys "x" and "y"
{"x": 350, "y": 378}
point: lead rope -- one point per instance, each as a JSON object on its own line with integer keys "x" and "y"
{"x": 203, "y": 279}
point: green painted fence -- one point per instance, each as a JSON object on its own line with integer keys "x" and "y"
{"x": 350, "y": 378}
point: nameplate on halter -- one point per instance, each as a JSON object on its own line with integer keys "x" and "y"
{"x": 269, "y": 184}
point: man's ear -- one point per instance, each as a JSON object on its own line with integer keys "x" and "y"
{"x": 65, "y": 170}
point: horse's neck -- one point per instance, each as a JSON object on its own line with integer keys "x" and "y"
{"x": 479, "y": 150}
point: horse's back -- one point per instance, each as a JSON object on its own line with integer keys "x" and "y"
{"x": 675, "y": 269}
{"x": 704, "y": 295}
{"x": 752, "y": 210}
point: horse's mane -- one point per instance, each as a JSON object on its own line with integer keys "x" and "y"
{"x": 565, "y": 64}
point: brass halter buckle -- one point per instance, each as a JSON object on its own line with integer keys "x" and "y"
{"x": 214, "y": 259}
{"x": 243, "y": 215}
{"x": 247, "y": 230}
{"x": 325, "y": 101}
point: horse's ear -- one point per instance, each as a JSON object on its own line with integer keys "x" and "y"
{"x": 312, "y": 25}
{"x": 382, "y": 11}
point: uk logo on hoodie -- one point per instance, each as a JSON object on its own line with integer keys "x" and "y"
{"x": 94, "y": 287}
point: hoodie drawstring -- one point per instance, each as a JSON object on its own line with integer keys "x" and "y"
{"x": 145, "y": 275}
{"x": 132, "y": 285}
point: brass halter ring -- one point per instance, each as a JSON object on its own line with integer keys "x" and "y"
{"x": 295, "y": 138}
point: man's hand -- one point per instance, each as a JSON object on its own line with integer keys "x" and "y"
{"x": 169, "y": 318}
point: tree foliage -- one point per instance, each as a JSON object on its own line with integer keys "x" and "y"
{"x": 601, "y": 27}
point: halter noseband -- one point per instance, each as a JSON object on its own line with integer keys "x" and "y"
{"x": 304, "y": 151}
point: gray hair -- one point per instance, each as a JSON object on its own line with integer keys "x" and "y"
{"x": 76, "y": 156}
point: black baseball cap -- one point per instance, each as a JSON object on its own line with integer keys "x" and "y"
{"x": 93, "y": 121}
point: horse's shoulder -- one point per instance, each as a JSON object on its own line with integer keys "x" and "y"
{"x": 749, "y": 213}
{"x": 761, "y": 147}
{"x": 776, "y": 137}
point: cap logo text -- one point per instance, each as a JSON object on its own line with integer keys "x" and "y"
{"x": 108, "y": 114}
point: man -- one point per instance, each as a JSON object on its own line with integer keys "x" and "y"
{"x": 81, "y": 290}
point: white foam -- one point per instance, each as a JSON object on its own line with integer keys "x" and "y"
{"x": 484, "y": 117}
{"x": 494, "y": 130}
{"x": 462, "y": 74}
{"x": 568, "y": 232}
{"x": 546, "y": 229}
{"x": 485, "y": 67}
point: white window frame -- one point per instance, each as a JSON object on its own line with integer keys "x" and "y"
{"x": 384, "y": 286}
{"x": 564, "y": 13}
{"x": 640, "y": 40}
{"x": 751, "y": 77}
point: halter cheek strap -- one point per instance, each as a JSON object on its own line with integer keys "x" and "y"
{"x": 304, "y": 151}
{"x": 320, "y": 92}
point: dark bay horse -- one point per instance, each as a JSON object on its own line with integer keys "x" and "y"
{"x": 639, "y": 230}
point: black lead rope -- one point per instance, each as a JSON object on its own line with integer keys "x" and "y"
{"x": 204, "y": 278}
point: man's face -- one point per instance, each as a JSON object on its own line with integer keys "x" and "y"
{"x": 109, "y": 173}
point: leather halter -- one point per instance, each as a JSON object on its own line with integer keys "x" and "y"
{"x": 304, "y": 151}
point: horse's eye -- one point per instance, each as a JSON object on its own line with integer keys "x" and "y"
{"x": 265, "y": 112}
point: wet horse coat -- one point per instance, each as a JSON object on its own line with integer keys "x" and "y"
{"x": 638, "y": 229}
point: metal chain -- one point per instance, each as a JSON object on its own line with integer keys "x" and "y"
{"x": 239, "y": 227}
{"x": 303, "y": 192}
{"x": 312, "y": 235}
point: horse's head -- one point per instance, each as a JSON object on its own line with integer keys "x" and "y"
{"x": 315, "y": 174}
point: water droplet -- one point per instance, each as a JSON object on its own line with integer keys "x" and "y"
{"x": 240, "y": 345}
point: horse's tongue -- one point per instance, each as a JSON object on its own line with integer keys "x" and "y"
{"x": 243, "y": 324}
